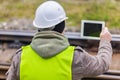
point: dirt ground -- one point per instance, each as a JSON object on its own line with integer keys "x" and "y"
{"x": 6, "y": 55}
{"x": 115, "y": 65}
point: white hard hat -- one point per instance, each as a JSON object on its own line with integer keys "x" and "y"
{"x": 49, "y": 14}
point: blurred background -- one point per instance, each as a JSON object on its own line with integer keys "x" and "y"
{"x": 18, "y": 14}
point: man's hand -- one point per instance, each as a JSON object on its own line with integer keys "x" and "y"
{"x": 105, "y": 35}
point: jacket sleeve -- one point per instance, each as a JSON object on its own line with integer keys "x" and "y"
{"x": 85, "y": 64}
{"x": 13, "y": 72}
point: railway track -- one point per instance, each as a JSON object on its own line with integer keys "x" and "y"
{"x": 10, "y": 41}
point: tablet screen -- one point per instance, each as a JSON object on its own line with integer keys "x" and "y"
{"x": 91, "y": 29}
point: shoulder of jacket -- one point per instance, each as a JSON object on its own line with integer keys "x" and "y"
{"x": 16, "y": 56}
{"x": 19, "y": 51}
{"x": 78, "y": 48}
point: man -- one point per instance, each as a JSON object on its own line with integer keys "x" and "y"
{"x": 50, "y": 56}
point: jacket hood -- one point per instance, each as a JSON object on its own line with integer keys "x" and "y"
{"x": 49, "y": 43}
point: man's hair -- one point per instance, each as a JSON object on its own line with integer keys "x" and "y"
{"x": 59, "y": 27}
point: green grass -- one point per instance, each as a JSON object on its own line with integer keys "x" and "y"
{"x": 107, "y": 11}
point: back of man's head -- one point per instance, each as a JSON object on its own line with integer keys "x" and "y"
{"x": 50, "y": 15}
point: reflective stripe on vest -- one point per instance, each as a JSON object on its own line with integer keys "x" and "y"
{"x": 34, "y": 67}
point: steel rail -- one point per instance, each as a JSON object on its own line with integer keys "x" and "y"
{"x": 69, "y": 35}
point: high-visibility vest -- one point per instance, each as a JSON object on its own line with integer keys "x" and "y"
{"x": 34, "y": 67}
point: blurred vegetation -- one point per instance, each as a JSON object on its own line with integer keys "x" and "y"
{"x": 104, "y": 10}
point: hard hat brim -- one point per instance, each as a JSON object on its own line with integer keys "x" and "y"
{"x": 47, "y": 26}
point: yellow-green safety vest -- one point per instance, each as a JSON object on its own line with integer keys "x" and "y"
{"x": 34, "y": 67}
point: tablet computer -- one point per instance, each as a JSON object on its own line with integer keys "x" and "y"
{"x": 91, "y": 29}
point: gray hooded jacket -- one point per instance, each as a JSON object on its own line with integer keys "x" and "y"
{"x": 49, "y": 43}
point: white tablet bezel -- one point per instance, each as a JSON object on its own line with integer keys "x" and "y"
{"x": 90, "y": 21}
